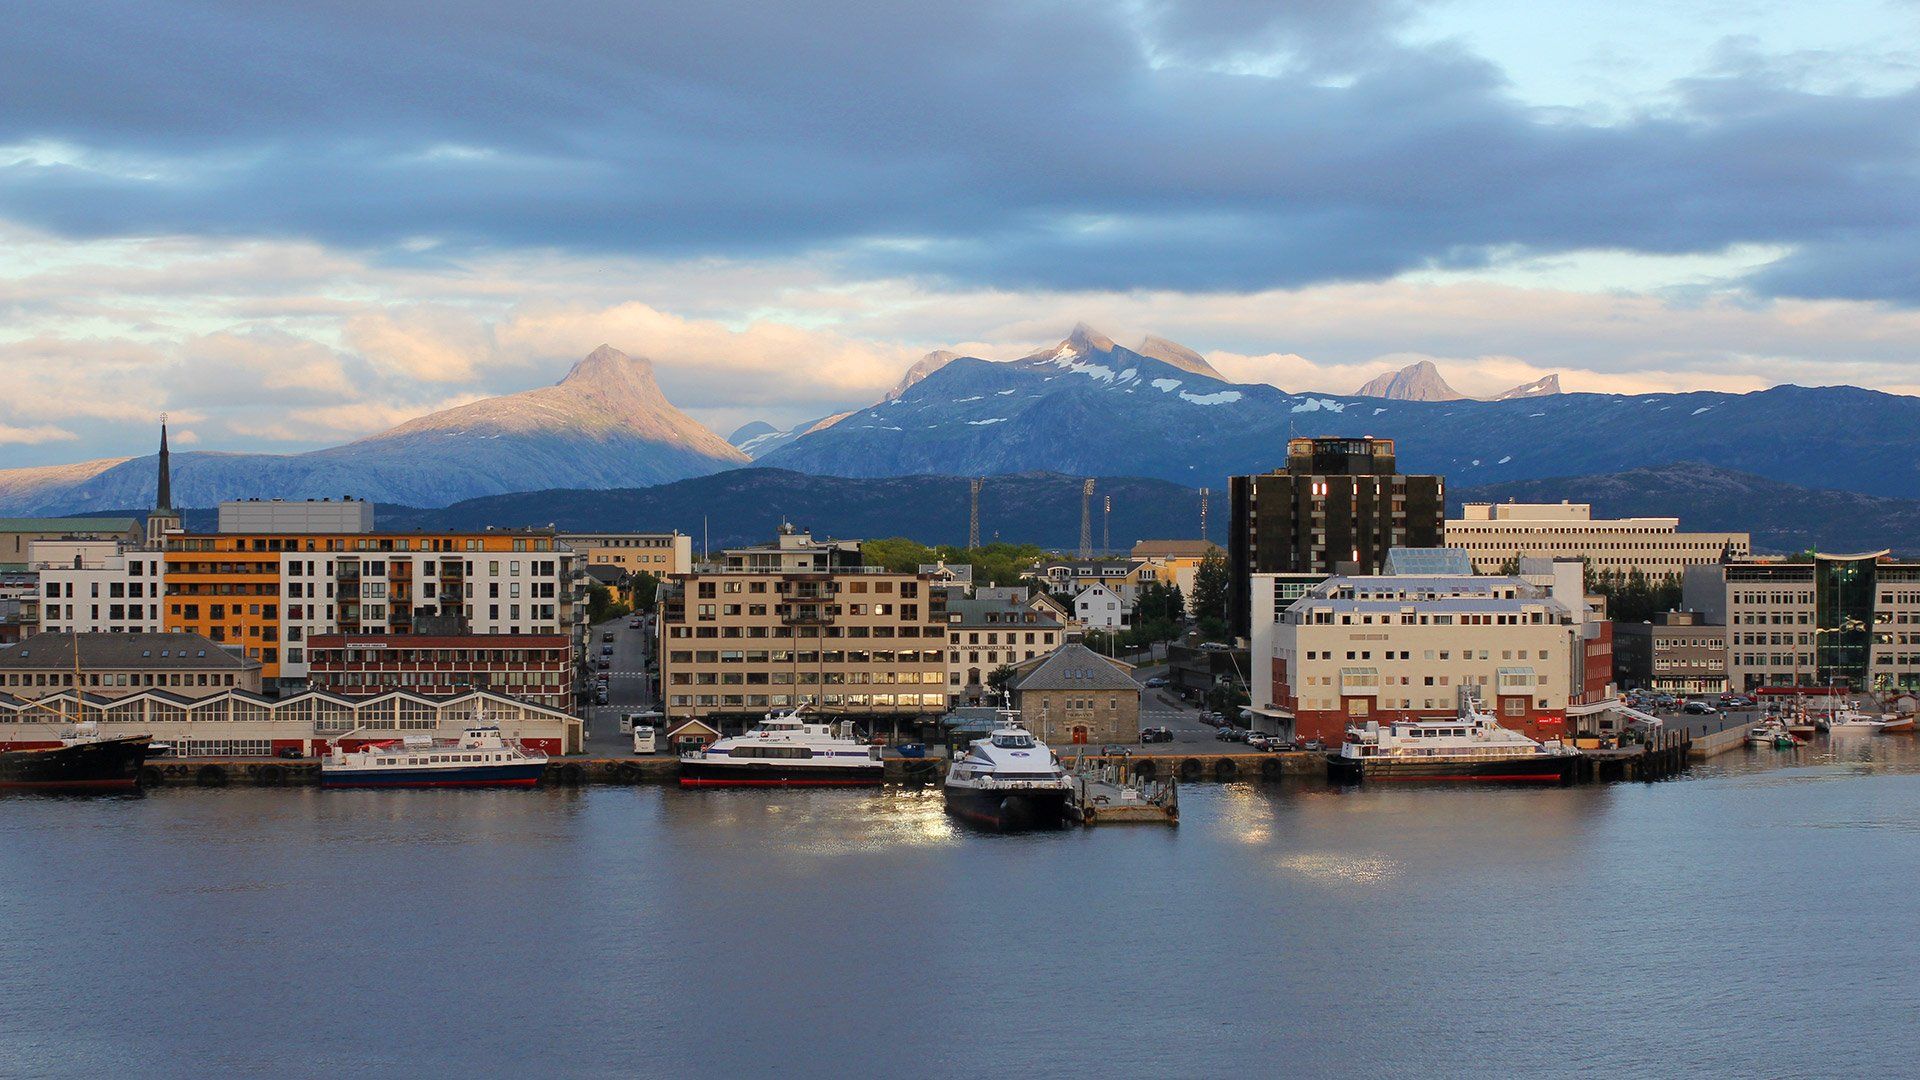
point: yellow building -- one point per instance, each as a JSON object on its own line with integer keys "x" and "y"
{"x": 658, "y": 554}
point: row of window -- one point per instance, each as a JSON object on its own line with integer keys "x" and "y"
{"x": 806, "y": 678}
{"x": 830, "y": 701}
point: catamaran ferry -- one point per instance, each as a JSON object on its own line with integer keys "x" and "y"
{"x": 1009, "y": 780}
{"x": 786, "y": 749}
{"x": 1469, "y": 747}
{"x": 479, "y": 758}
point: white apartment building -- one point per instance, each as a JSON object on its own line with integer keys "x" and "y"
{"x": 1097, "y": 607}
{"x": 98, "y": 587}
{"x": 490, "y": 592}
{"x": 1403, "y": 647}
{"x": 1495, "y": 532}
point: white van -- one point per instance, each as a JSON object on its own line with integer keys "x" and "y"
{"x": 644, "y": 740}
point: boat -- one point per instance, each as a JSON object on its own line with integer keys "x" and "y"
{"x": 1897, "y": 725}
{"x": 481, "y": 757}
{"x": 84, "y": 761}
{"x": 1469, "y": 747}
{"x": 1008, "y": 780}
{"x": 787, "y": 748}
{"x": 1773, "y": 732}
{"x": 1112, "y": 792}
{"x": 1851, "y": 721}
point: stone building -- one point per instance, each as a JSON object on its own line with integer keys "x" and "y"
{"x": 1075, "y": 695}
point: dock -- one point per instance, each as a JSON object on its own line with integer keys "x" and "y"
{"x": 1109, "y": 792}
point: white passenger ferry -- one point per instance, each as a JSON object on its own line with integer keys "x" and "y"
{"x": 1009, "y": 780}
{"x": 1469, "y": 747}
{"x": 786, "y": 749}
{"x": 479, "y": 758}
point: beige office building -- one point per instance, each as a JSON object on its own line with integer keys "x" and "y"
{"x": 854, "y": 641}
{"x": 658, "y": 554}
{"x": 1496, "y": 532}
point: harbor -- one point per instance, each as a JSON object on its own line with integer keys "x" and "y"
{"x": 639, "y": 920}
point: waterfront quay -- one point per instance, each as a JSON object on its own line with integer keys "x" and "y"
{"x": 1189, "y": 763}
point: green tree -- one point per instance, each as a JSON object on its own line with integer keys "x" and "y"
{"x": 599, "y": 603}
{"x": 999, "y": 678}
{"x": 1210, "y": 584}
{"x": 646, "y": 590}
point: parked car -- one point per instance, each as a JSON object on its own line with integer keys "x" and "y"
{"x": 1700, "y": 708}
{"x": 603, "y": 663}
{"x": 1157, "y": 681}
{"x": 1257, "y": 740}
{"x": 606, "y": 650}
{"x": 1314, "y": 744}
{"x": 1225, "y": 734}
{"x": 600, "y": 696}
{"x": 607, "y": 636}
{"x": 1156, "y": 734}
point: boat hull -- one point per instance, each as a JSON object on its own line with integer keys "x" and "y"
{"x": 1009, "y": 810}
{"x": 1544, "y": 769}
{"x": 779, "y": 774}
{"x": 517, "y": 774}
{"x": 107, "y": 765}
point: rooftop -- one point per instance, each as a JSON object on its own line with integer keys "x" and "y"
{"x": 1075, "y": 667}
{"x": 66, "y": 525}
{"x": 51, "y": 650}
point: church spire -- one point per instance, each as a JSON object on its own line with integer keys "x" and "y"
{"x": 163, "y": 500}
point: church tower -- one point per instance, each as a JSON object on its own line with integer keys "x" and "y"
{"x": 163, "y": 519}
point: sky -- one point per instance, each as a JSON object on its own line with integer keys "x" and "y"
{"x": 290, "y": 225}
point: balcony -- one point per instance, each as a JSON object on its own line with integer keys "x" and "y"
{"x": 806, "y": 614}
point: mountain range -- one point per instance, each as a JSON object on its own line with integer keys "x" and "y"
{"x": 1422, "y": 382}
{"x": 605, "y": 424}
{"x": 1085, "y": 406}
{"x": 744, "y": 505}
{"x": 1089, "y": 406}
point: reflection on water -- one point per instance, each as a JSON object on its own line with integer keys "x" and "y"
{"x": 1283, "y": 928}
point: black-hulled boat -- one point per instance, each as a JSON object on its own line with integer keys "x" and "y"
{"x": 1009, "y": 780}
{"x": 81, "y": 763}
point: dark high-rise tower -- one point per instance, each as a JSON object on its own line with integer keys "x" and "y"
{"x": 1336, "y": 508}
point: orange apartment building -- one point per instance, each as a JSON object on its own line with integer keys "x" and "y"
{"x": 268, "y": 592}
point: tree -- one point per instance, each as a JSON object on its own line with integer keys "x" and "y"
{"x": 999, "y": 678}
{"x": 645, "y": 588}
{"x": 1210, "y": 585}
{"x": 599, "y": 603}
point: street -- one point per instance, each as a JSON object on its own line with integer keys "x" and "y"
{"x": 626, "y": 687}
{"x": 1160, "y": 707}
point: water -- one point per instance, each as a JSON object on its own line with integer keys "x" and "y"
{"x": 1750, "y": 920}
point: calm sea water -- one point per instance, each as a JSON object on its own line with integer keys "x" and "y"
{"x": 1752, "y": 919}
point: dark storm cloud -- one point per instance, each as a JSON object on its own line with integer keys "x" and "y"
{"x": 1050, "y": 145}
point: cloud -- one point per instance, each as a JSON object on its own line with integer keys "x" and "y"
{"x": 1197, "y": 145}
{"x": 39, "y": 433}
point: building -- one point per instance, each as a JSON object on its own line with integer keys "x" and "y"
{"x": 99, "y": 586}
{"x": 985, "y": 634}
{"x": 1337, "y": 507}
{"x": 1494, "y": 533}
{"x": 1075, "y": 695}
{"x": 240, "y": 723}
{"x": 1194, "y": 671}
{"x": 659, "y": 554}
{"x": 1097, "y": 607}
{"x": 163, "y": 518}
{"x": 268, "y": 593}
{"x": 957, "y": 580}
{"x": 1069, "y": 576}
{"x": 115, "y": 665}
{"x": 794, "y": 550}
{"x": 856, "y": 641}
{"x": 17, "y": 535}
{"x": 1173, "y": 563}
{"x": 1677, "y": 653}
{"x": 308, "y": 517}
{"x": 1360, "y": 648}
{"x": 536, "y": 668}
{"x": 1850, "y": 621}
